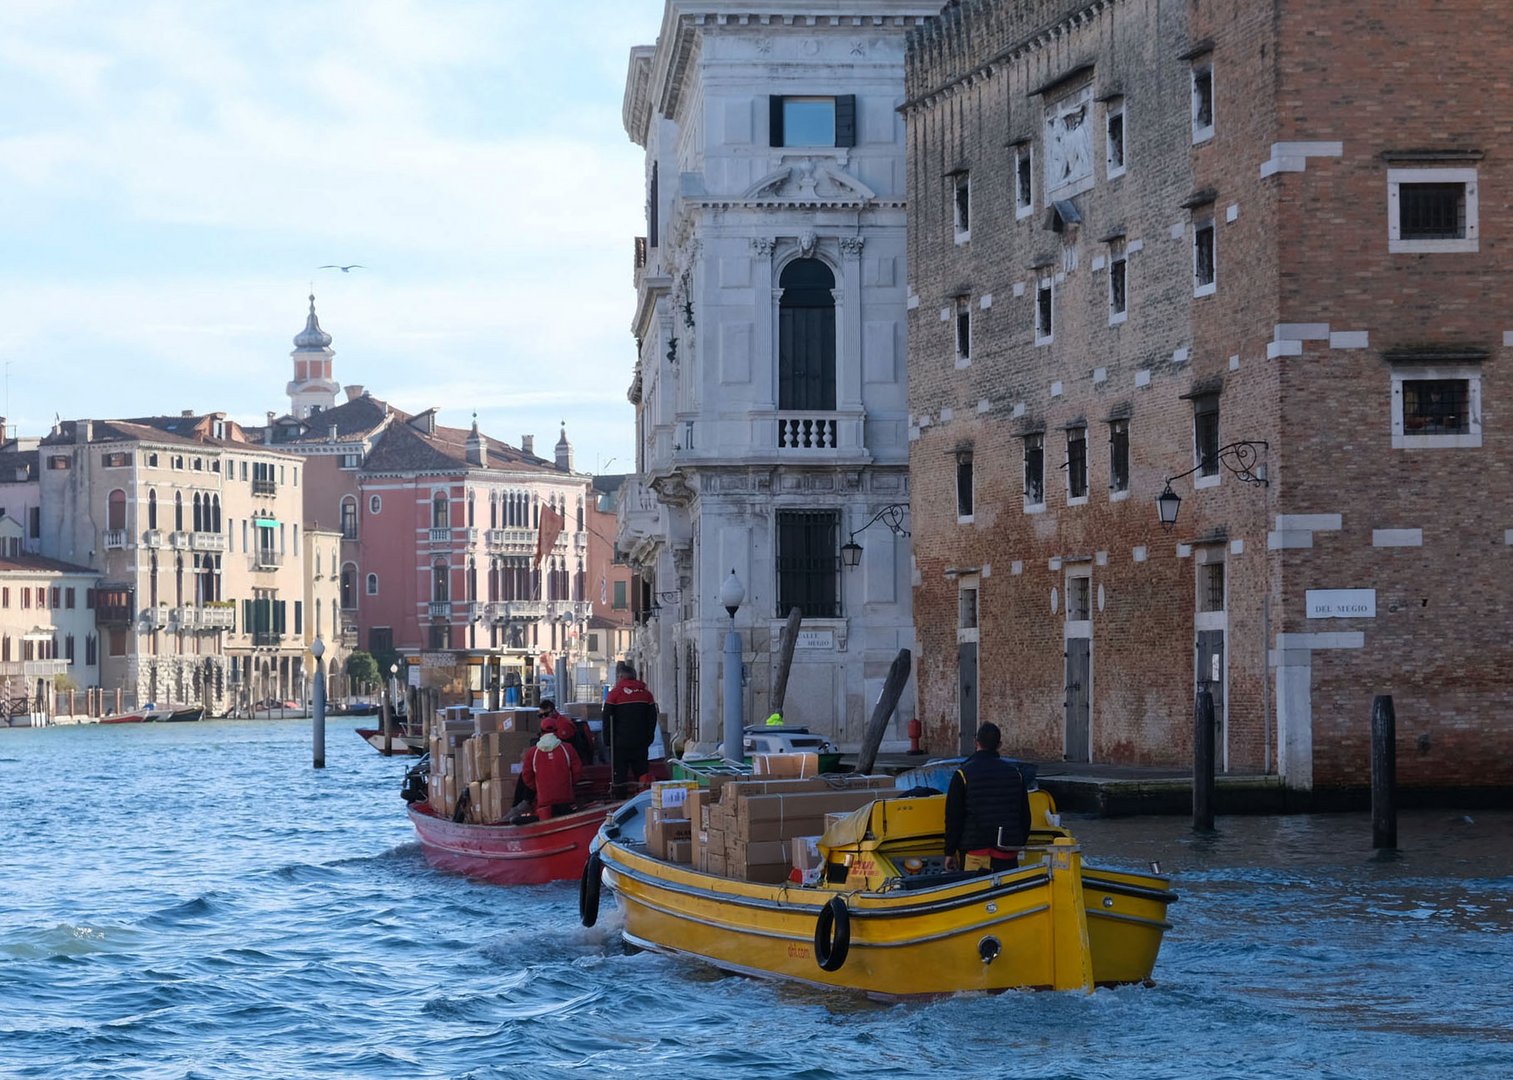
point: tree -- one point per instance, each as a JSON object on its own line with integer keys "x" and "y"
{"x": 362, "y": 669}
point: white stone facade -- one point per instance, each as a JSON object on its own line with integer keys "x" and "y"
{"x": 740, "y": 429}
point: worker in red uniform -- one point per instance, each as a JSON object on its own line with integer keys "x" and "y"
{"x": 550, "y": 769}
{"x": 630, "y": 724}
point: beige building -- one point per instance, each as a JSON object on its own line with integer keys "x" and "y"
{"x": 47, "y": 632}
{"x": 195, "y": 535}
{"x": 322, "y": 567}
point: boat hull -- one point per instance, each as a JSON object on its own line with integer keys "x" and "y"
{"x": 533, "y": 854}
{"x": 400, "y": 744}
{"x": 1020, "y": 929}
{"x": 124, "y": 718}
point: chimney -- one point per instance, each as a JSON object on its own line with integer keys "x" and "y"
{"x": 271, "y": 417}
{"x": 353, "y": 392}
{"x": 528, "y": 444}
{"x": 186, "y": 412}
{"x": 331, "y": 432}
{"x": 477, "y": 449}
{"x": 84, "y": 431}
{"x": 564, "y": 452}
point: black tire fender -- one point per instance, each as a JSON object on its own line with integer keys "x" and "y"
{"x": 832, "y": 934}
{"x": 588, "y": 890}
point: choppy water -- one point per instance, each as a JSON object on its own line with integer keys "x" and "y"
{"x": 193, "y": 900}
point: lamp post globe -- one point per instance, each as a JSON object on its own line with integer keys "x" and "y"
{"x": 317, "y": 648}
{"x": 732, "y": 593}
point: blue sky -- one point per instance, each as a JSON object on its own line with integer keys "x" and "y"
{"x": 173, "y": 172}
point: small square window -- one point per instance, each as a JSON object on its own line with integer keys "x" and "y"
{"x": 1436, "y": 408}
{"x": 1205, "y": 268}
{"x": 1034, "y": 472}
{"x": 1113, "y": 138}
{"x": 1024, "y": 181}
{"x": 1118, "y": 457}
{"x": 1045, "y": 312}
{"x": 1076, "y": 465}
{"x": 962, "y": 208}
{"x": 1432, "y": 211}
{"x": 1118, "y": 284}
{"x": 1203, "y": 103}
{"x": 963, "y": 331}
{"x": 964, "y": 481}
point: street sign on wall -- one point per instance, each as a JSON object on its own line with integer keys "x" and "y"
{"x": 1341, "y": 603}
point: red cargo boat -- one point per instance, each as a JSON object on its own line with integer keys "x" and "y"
{"x": 531, "y": 854}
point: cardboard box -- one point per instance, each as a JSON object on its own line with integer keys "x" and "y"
{"x": 694, "y": 805}
{"x": 784, "y": 766}
{"x": 672, "y": 796}
{"x": 806, "y": 858}
{"x": 680, "y": 851}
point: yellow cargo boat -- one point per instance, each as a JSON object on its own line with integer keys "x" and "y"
{"x": 885, "y": 918}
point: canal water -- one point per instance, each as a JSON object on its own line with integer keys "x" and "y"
{"x": 193, "y": 900}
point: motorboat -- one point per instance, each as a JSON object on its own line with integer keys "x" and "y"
{"x": 882, "y": 915}
{"x": 172, "y": 714}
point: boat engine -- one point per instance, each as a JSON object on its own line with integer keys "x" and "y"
{"x": 414, "y": 788}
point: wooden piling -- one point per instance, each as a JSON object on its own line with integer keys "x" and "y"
{"x": 887, "y": 701}
{"x": 1383, "y": 773}
{"x": 788, "y": 640}
{"x": 1203, "y": 762}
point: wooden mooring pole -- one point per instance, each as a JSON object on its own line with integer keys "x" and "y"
{"x": 887, "y": 701}
{"x": 1383, "y": 773}
{"x": 1203, "y": 762}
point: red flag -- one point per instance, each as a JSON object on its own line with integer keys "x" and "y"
{"x": 546, "y": 535}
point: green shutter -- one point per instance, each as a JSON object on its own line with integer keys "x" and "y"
{"x": 845, "y": 120}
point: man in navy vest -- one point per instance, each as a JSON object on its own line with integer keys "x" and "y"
{"x": 987, "y": 810}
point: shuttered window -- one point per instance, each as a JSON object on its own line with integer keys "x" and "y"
{"x": 799, "y": 120}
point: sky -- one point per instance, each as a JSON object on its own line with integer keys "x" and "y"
{"x": 173, "y": 172}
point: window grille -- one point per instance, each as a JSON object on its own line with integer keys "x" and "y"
{"x": 1206, "y": 435}
{"x": 1079, "y": 605}
{"x": 1076, "y": 463}
{"x": 1436, "y": 406}
{"x": 1118, "y": 456}
{"x": 808, "y": 563}
{"x": 1432, "y": 211}
{"x": 966, "y": 609}
{"x": 1211, "y": 592}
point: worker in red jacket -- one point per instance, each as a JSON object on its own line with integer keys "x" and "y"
{"x": 630, "y": 723}
{"x": 550, "y": 769}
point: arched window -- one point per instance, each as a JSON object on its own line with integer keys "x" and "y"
{"x": 471, "y": 522}
{"x": 493, "y": 510}
{"x": 440, "y": 510}
{"x": 440, "y": 583}
{"x": 372, "y": 584}
{"x": 178, "y": 511}
{"x": 580, "y": 515}
{"x": 349, "y": 518}
{"x": 215, "y": 514}
{"x": 472, "y": 580}
{"x": 535, "y": 512}
{"x": 349, "y": 586}
{"x": 115, "y": 510}
{"x": 152, "y": 509}
{"x": 806, "y": 337}
{"x": 199, "y": 517}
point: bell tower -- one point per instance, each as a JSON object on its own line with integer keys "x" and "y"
{"x": 312, "y": 389}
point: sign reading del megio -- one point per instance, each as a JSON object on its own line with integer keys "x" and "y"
{"x": 1341, "y": 603}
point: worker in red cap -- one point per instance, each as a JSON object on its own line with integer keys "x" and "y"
{"x": 551, "y": 769}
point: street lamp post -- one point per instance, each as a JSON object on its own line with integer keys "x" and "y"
{"x": 318, "y": 704}
{"x": 731, "y": 595}
{"x": 1242, "y": 458}
{"x": 891, "y": 515}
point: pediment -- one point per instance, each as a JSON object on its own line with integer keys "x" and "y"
{"x": 808, "y": 179}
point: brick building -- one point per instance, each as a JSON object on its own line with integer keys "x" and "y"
{"x": 1141, "y": 232}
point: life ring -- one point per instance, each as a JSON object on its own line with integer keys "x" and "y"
{"x": 832, "y": 935}
{"x": 588, "y": 890}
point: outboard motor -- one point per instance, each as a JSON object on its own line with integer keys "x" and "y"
{"x": 414, "y": 788}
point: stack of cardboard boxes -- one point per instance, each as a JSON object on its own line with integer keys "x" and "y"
{"x": 669, "y": 832}
{"x": 747, "y": 828}
{"x": 479, "y": 753}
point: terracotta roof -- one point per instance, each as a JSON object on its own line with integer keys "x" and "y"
{"x": 404, "y": 448}
{"x": 34, "y": 563}
{"x": 359, "y": 417}
{"x": 161, "y": 430}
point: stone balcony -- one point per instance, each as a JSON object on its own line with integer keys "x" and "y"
{"x": 204, "y": 541}
{"x": 114, "y": 539}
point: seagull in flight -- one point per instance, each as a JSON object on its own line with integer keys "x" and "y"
{"x": 344, "y": 269}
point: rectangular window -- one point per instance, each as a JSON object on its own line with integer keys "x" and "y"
{"x": 1079, "y": 598}
{"x": 1436, "y": 406}
{"x": 34, "y": 523}
{"x": 795, "y": 120}
{"x": 381, "y": 641}
{"x": 1118, "y": 456}
{"x": 808, "y": 563}
{"x": 116, "y": 459}
{"x": 966, "y": 609}
{"x": 1076, "y": 464}
{"x": 963, "y": 331}
{"x": 69, "y": 597}
{"x": 1205, "y": 273}
{"x": 1203, "y": 103}
{"x": 1113, "y": 138}
{"x": 117, "y": 641}
{"x": 1432, "y": 210}
{"x": 60, "y": 461}
{"x": 1045, "y": 312}
{"x": 964, "y": 484}
{"x": 620, "y": 602}
{"x": 1034, "y": 471}
{"x": 962, "y": 206}
{"x": 1211, "y": 587}
{"x": 299, "y": 617}
{"x": 1206, "y": 438}
{"x": 351, "y": 461}
{"x": 1118, "y": 284}
{"x": 349, "y": 520}
{"x": 1024, "y": 182}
